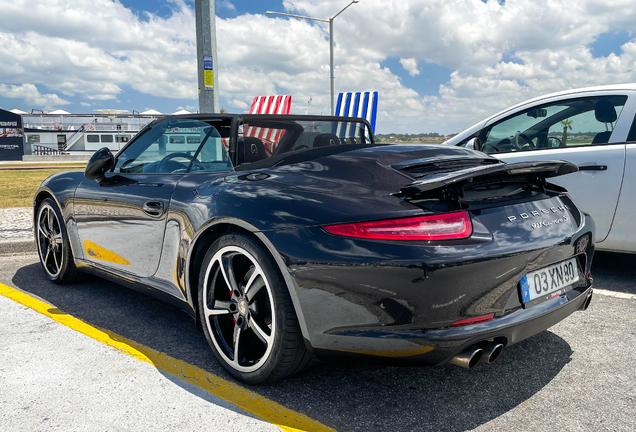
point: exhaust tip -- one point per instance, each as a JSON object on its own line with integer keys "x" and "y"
{"x": 492, "y": 351}
{"x": 587, "y": 302}
{"x": 468, "y": 358}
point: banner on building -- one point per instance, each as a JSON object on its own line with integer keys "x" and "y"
{"x": 11, "y": 136}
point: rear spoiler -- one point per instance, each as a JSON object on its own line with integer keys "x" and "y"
{"x": 453, "y": 183}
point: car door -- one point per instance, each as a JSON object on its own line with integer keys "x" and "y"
{"x": 586, "y": 131}
{"x": 122, "y": 219}
{"x": 622, "y": 237}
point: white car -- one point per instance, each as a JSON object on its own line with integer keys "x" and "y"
{"x": 591, "y": 127}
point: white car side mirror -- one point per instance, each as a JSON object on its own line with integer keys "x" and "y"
{"x": 473, "y": 144}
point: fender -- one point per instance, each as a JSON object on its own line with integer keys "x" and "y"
{"x": 292, "y": 287}
{"x": 61, "y": 186}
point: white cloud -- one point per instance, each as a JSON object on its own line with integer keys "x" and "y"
{"x": 97, "y": 49}
{"x": 190, "y": 108}
{"x": 31, "y": 95}
{"x": 85, "y": 104}
{"x": 226, "y": 4}
{"x": 550, "y": 39}
{"x": 410, "y": 65}
{"x": 240, "y": 104}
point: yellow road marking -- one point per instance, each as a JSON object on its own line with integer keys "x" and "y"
{"x": 96, "y": 251}
{"x": 263, "y": 408}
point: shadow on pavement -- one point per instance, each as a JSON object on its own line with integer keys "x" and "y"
{"x": 347, "y": 398}
{"x": 615, "y": 271}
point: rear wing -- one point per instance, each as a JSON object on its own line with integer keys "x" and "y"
{"x": 451, "y": 185}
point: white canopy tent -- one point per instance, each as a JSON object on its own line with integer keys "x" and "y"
{"x": 150, "y": 112}
{"x": 59, "y": 112}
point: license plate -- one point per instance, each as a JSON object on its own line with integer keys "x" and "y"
{"x": 549, "y": 280}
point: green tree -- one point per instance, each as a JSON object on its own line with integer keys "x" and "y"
{"x": 567, "y": 124}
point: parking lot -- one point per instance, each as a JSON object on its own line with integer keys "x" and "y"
{"x": 579, "y": 375}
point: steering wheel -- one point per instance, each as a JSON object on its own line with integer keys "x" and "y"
{"x": 503, "y": 146}
{"x": 301, "y": 147}
{"x": 529, "y": 145}
{"x": 163, "y": 163}
{"x": 554, "y": 142}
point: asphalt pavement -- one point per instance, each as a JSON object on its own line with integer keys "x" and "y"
{"x": 580, "y": 375}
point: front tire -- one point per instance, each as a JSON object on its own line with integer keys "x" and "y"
{"x": 247, "y": 314}
{"x": 54, "y": 248}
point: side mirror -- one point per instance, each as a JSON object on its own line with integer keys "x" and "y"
{"x": 101, "y": 162}
{"x": 474, "y": 144}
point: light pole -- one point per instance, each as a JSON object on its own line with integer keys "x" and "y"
{"x": 205, "y": 23}
{"x": 331, "y": 65}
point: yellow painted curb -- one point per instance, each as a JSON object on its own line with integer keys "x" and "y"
{"x": 247, "y": 400}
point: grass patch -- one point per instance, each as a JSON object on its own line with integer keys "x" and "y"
{"x": 39, "y": 164}
{"x": 17, "y": 187}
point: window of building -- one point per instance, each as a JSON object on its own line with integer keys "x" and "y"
{"x": 107, "y": 139}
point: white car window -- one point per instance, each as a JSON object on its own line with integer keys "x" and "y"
{"x": 574, "y": 122}
{"x": 578, "y": 130}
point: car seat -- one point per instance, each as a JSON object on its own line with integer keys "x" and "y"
{"x": 326, "y": 140}
{"x": 250, "y": 149}
{"x": 605, "y": 113}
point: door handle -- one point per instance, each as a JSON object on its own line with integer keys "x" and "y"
{"x": 153, "y": 208}
{"x": 593, "y": 168}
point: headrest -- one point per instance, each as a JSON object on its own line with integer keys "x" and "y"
{"x": 605, "y": 112}
{"x": 250, "y": 149}
{"x": 326, "y": 140}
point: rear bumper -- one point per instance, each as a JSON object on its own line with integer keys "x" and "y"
{"x": 439, "y": 346}
{"x": 395, "y": 302}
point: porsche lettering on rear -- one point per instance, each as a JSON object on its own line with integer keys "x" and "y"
{"x": 538, "y": 213}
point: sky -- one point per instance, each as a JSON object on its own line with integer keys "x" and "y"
{"x": 438, "y": 65}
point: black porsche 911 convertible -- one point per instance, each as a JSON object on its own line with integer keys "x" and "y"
{"x": 296, "y": 238}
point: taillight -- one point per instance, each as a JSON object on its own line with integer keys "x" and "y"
{"x": 432, "y": 227}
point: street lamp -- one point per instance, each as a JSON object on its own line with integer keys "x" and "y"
{"x": 331, "y": 66}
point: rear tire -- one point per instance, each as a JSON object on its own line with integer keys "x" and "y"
{"x": 54, "y": 248}
{"x": 247, "y": 314}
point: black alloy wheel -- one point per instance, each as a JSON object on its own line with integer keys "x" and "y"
{"x": 247, "y": 313}
{"x": 52, "y": 243}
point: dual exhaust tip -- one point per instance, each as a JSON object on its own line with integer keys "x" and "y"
{"x": 486, "y": 352}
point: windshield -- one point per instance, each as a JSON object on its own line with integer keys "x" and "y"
{"x": 267, "y": 141}
{"x": 175, "y": 146}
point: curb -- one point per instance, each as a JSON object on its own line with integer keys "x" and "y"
{"x": 17, "y": 246}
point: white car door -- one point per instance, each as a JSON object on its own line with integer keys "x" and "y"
{"x": 587, "y": 131}
{"x": 596, "y": 187}
{"x": 622, "y": 237}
